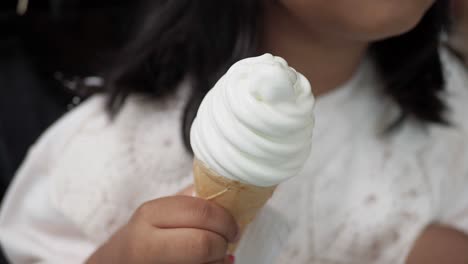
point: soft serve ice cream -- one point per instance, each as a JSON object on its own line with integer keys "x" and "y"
{"x": 255, "y": 125}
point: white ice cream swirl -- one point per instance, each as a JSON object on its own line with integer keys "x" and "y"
{"x": 255, "y": 125}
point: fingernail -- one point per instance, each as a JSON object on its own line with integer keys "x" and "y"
{"x": 231, "y": 258}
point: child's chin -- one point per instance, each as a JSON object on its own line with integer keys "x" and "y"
{"x": 383, "y": 29}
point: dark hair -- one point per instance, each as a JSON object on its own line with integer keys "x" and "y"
{"x": 199, "y": 40}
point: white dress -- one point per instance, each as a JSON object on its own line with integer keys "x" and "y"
{"x": 363, "y": 196}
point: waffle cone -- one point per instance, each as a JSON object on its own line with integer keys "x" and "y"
{"x": 242, "y": 200}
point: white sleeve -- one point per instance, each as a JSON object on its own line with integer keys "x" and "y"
{"x": 32, "y": 230}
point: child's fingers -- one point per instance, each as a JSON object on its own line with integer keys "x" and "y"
{"x": 188, "y": 212}
{"x": 187, "y": 245}
{"x": 226, "y": 260}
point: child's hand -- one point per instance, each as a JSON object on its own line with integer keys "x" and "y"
{"x": 178, "y": 229}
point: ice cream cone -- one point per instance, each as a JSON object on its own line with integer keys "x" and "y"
{"x": 242, "y": 200}
{"x": 253, "y": 131}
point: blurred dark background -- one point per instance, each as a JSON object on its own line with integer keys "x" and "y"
{"x": 46, "y": 58}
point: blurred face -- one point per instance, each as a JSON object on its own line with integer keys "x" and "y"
{"x": 365, "y": 20}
